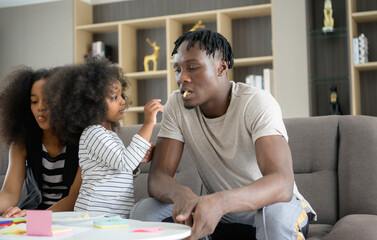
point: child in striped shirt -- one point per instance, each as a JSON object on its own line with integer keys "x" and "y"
{"x": 92, "y": 95}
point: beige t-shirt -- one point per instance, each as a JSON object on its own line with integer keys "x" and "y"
{"x": 223, "y": 148}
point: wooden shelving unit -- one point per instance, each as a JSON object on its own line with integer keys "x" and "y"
{"x": 355, "y": 18}
{"x": 171, "y": 26}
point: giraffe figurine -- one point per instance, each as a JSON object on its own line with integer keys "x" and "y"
{"x": 153, "y": 57}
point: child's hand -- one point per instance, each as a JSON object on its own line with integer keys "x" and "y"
{"x": 150, "y": 111}
{"x": 14, "y": 212}
{"x": 148, "y": 155}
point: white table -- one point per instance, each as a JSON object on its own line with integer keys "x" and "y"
{"x": 86, "y": 231}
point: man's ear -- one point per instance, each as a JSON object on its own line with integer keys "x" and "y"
{"x": 223, "y": 68}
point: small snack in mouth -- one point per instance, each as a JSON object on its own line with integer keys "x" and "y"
{"x": 186, "y": 93}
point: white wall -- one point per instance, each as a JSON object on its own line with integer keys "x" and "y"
{"x": 291, "y": 57}
{"x": 38, "y": 35}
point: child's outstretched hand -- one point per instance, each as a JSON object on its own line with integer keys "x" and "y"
{"x": 148, "y": 155}
{"x": 150, "y": 111}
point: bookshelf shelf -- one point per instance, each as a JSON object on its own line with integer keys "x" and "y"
{"x": 100, "y": 27}
{"x": 330, "y": 80}
{"x": 147, "y": 75}
{"x": 367, "y": 16}
{"x": 338, "y": 32}
{"x": 251, "y": 11}
{"x": 251, "y": 61}
{"x": 370, "y": 66}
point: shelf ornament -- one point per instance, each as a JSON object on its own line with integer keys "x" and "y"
{"x": 153, "y": 57}
{"x": 198, "y": 25}
{"x": 334, "y": 101}
{"x": 328, "y": 20}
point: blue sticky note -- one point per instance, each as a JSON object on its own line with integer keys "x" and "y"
{"x": 111, "y": 222}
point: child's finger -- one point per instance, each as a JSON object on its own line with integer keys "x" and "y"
{"x": 153, "y": 104}
{"x": 156, "y": 108}
{"x": 153, "y": 101}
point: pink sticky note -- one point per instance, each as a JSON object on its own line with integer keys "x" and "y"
{"x": 153, "y": 229}
{"x": 38, "y": 222}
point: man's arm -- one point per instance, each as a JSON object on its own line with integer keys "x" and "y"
{"x": 166, "y": 157}
{"x": 161, "y": 182}
{"x": 275, "y": 162}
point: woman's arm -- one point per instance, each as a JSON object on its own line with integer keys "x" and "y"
{"x": 14, "y": 179}
{"x": 67, "y": 203}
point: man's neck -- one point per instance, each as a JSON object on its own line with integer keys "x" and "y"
{"x": 219, "y": 105}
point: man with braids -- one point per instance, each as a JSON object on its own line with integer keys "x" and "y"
{"x": 238, "y": 142}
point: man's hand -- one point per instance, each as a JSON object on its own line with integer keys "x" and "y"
{"x": 183, "y": 200}
{"x": 203, "y": 214}
{"x": 14, "y": 212}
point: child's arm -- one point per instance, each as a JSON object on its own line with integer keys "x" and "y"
{"x": 99, "y": 145}
{"x": 150, "y": 111}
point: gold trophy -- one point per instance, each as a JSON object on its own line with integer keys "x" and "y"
{"x": 153, "y": 57}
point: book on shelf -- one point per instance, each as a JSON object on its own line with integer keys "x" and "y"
{"x": 360, "y": 49}
{"x": 250, "y": 79}
{"x": 355, "y": 43}
{"x": 254, "y": 80}
{"x": 100, "y": 49}
{"x": 264, "y": 81}
{"x": 363, "y": 48}
{"x": 268, "y": 80}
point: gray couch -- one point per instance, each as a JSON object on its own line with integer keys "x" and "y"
{"x": 335, "y": 165}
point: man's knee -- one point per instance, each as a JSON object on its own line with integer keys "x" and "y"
{"x": 281, "y": 220}
{"x": 150, "y": 209}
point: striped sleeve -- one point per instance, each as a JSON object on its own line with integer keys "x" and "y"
{"x": 105, "y": 146}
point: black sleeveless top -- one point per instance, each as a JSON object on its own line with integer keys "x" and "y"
{"x": 34, "y": 154}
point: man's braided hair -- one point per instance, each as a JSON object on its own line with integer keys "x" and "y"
{"x": 212, "y": 41}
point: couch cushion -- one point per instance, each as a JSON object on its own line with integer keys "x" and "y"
{"x": 351, "y": 227}
{"x": 357, "y": 165}
{"x": 314, "y": 146}
{"x": 3, "y": 160}
{"x": 318, "y": 231}
{"x": 186, "y": 173}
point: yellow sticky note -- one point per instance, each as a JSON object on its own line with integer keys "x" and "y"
{"x": 13, "y": 229}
